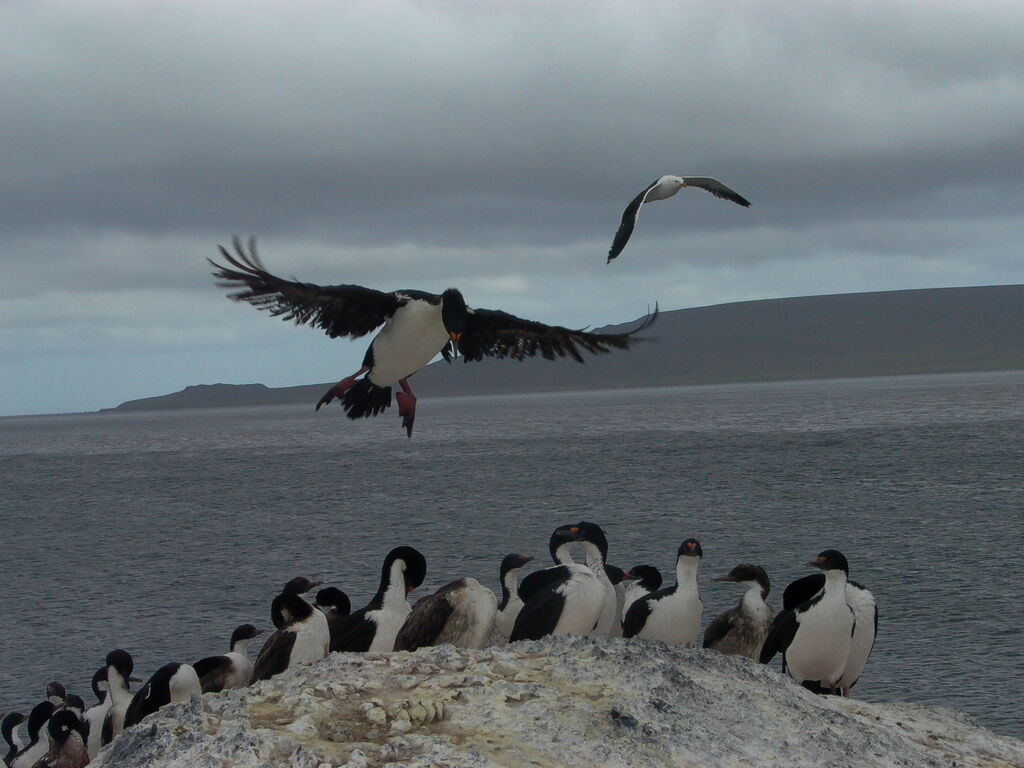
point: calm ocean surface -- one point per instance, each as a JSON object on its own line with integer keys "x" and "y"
{"x": 159, "y": 532}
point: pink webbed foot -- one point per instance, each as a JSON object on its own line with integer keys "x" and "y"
{"x": 339, "y": 389}
{"x": 406, "y": 409}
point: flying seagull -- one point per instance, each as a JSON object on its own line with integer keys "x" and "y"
{"x": 417, "y": 326}
{"x": 663, "y": 189}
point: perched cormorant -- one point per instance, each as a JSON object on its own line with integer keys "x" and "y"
{"x": 119, "y": 674}
{"x": 510, "y": 604}
{"x": 742, "y": 630}
{"x": 568, "y": 599}
{"x": 304, "y": 637}
{"x": 644, "y": 579}
{"x": 92, "y": 718}
{"x": 232, "y": 669}
{"x": 9, "y": 728}
{"x": 814, "y": 636}
{"x": 461, "y": 613}
{"x": 375, "y": 626}
{"x": 865, "y": 613}
{"x": 67, "y": 742}
{"x": 300, "y": 585}
{"x": 338, "y": 609}
{"x": 173, "y": 683}
{"x": 672, "y": 614}
{"x": 38, "y": 740}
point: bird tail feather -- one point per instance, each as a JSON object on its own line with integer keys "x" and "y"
{"x": 366, "y": 399}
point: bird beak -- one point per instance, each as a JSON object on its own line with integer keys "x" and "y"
{"x": 723, "y": 578}
{"x": 409, "y": 588}
{"x": 816, "y": 564}
{"x": 261, "y": 631}
{"x": 133, "y": 679}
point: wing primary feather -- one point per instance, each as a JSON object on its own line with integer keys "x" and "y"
{"x": 492, "y": 333}
{"x": 339, "y": 310}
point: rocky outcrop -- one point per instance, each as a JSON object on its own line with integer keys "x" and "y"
{"x": 564, "y": 701}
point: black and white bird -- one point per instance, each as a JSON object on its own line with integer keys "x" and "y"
{"x": 510, "y": 603}
{"x": 664, "y": 188}
{"x": 741, "y": 630}
{"x": 461, "y": 612}
{"x": 376, "y": 625}
{"x": 74, "y": 703}
{"x": 92, "y": 718}
{"x": 303, "y": 637}
{"x": 672, "y": 614}
{"x": 300, "y": 585}
{"x": 568, "y": 599}
{"x": 56, "y": 693}
{"x": 119, "y": 674}
{"x": 814, "y": 636}
{"x": 337, "y": 608}
{"x": 417, "y": 327}
{"x": 618, "y": 578}
{"x": 173, "y": 683}
{"x": 66, "y": 743}
{"x": 38, "y": 739}
{"x": 232, "y": 669}
{"x": 865, "y": 613}
{"x": 644, "y": 579}
{"x": 9, "y": 729}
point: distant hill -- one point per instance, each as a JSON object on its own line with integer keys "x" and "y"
{"x": 940, "y": 330}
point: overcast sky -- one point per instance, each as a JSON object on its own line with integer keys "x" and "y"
{"x": 426, "y": 145}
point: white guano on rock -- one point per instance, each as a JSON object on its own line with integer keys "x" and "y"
{"x": 561, "y": 701}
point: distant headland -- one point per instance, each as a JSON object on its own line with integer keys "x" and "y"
{"x": 935, "y": 330}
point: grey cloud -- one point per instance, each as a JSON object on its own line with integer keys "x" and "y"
{"x": 425, "y": 145}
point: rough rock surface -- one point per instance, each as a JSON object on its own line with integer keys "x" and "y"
{"x": 564, "y": 701}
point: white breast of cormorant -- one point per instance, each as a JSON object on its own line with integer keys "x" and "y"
{"x": 409, "y": 340}
{"x": 584, "y": 601}
{"x": 822, "y": 640}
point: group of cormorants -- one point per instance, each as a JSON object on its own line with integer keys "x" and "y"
{"x": 825, "y": 631}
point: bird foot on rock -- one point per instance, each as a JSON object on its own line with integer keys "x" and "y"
{"x": 337, "y": 391}
{"x": 406, "y": 409}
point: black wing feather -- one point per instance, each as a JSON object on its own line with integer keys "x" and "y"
{"x": 802, "y": 590}
{"x": 339, "y": 625}
{"x": 636, "y": 616}
{"x": 340, "y": 310}
{"x": 424, "y": 623}
{"x": 213, "y": 671}
{"x": 534, "y": 582}
{"x": 718, "y": 629}
{"x": 781, "y": 634}
{"x": 493, "y": 333}
{"x": 539, "y": 617}
{"x": 274, "y": 655}
{"x": 716, "y": 188}
{"x": 359, "y": 636}
{"x": 629, "y": 217}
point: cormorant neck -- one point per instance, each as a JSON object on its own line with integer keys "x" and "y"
{"x": 392, "y": 587}
{"x": 594, "y": 558}
{"x": 562, "y": 555}
{"x": 686, "y": 570}
{"x": 753, "y": 598}
{"x": 509, "y": 586}
{"x": 118, "y": 689}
